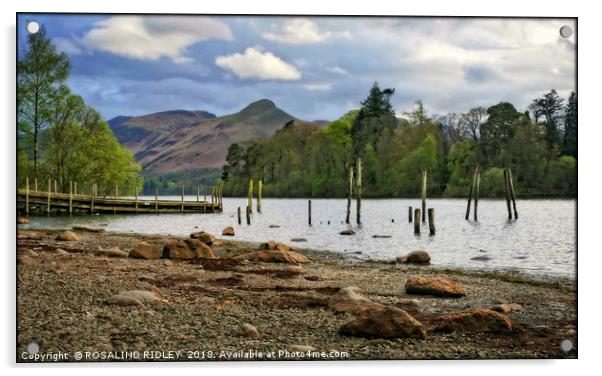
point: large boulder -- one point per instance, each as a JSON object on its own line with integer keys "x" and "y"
{"x": 87, "y": 228}
{"x": 187, "y": 249}
{"x": 269, "y": 245}
{"x": 228, "y": 231}
{"x": 437, "y": 286}
{"x": 67, "y": 236}
{"x": 351, "y": 299}
{"x": 147, "y": 251}
{"x": 289, "y": 257}
{"x": 475, "y": 320}
{"x": 383, "y": 322}
{"x": 415, "y": 257}
{"x": 203, "y": 236}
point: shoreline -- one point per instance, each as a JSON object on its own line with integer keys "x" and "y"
{"x": 203, "y": 304}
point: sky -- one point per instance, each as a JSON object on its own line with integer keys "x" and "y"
{"x": 315, "y": 68}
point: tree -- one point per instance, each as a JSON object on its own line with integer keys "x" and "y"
{"x": 569, "y": 138}
{"x": 41, "y": 76}
{"x": 496, "y": 133}
{"x": 549, "y": 108}
{"x": 472, "y": 121}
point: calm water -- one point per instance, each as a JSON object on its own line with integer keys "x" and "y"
{"x": 541, "y": 241}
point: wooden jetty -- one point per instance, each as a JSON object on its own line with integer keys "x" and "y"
{"x": 48, "y": 202}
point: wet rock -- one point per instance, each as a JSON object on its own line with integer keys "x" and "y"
{"x": 347, "y": 232}
{"x": 87, "y": 228}
{"x": 476, "y": 320}
{"x": 507, "y": 307}
{"x": 282, "y": 247}
{"x": 187, "y": 249}
{"x": 290, "y": 257}
{"x": 351, "y": 299}
{"x": 481, "y": 258}
{"x": 437, "y": 286}
{"x": 298, "y": 240}
{"x": 146, "y": 251}
{"x": 301, "y": 348}
{"x": 381, "y": 236}
{"x": 274, "y": 226}
{"x": 383, "y": 322}
{"x": 67, "y": 236}
{"x": 111, "y": 252}
{"x": 228, "y": 231}
{"x": 22, "y": 221}
{"x": 249, "y": 331}
{"x": 415, "y": 257}
{"x": 269, "y": 245}
{"x": 203, "y": 236}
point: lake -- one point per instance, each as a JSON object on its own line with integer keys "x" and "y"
{"x": 541, "y": 241}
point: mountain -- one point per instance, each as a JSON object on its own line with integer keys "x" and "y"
{"x": 179, "y": 140}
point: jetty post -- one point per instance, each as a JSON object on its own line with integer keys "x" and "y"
{"x": 424, "y": 195}
{"x": 239, "y": 219}
{"x": 512, "y": 195}
{"x": 35, "y": 184}
{"x": 75, "y": 188}
{"x": 358, "y": 191}
{"x": 507, "y": 193}
{"x": 198, "y": 193}
{"x": 476, "y": 194}
{"x": 409, "y": 214}
{"x": 416, "y": 221}
{"x": 309, "y": 212}
{"x": 205, "y": 193}
{"x": 259, "y": 195}
{"x": 49, "y": 193}
{"x": 136, "y": 193}
{"x": 431, "y": 213}
{"x": 27, "y": 195}
{"x": 156, "y": 200}
{"x": 182, "y": 206}
{"x": 70, "y": 197}
{"x": 248, "y": 215}
{"x": 93, "y": 193}
{"x": 349, "y": 194}
{"x": 250, "y": 195}
{"x": 55, "y": 186}
{"x": 472, "y": 186}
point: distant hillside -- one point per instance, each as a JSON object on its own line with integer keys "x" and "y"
{"x": 177, "y": 141}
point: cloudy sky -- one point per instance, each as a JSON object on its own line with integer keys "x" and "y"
{"x": 314, "y": 68}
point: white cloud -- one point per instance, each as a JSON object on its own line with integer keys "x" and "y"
{"x": 254, "y": 63}
{"x": 67, "y": 46}
{"x": 302, "y": 31}
{"x": 337, "y": 70}
{"x": 153, "y": 37}
{"x": 318, "y": 86}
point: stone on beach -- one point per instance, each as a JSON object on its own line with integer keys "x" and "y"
{"x": 269, "y": 245}
{"x": 249, "y": 331}
{"x": 481, "y": 258}
{"x": 298, "y": 240}
{"x": 274, "y": 226}
{"x": 301, "y": 348}
{"x": 132, "y": 297}
{"x": 146, "y": 251}
{"x": 22, "y": 221}
{"x": 347, "y": 232}
{"x": 203, "y": 236}
{"x": 437, "y": 286}
{"x": 87, "y": 228}
{"x": 111, "y": 252}
{"x": 290, "y": 257}
{"x": 187, "y": 249}
{"x": 475, "y": 320}
{"x": 415, "y": 257}
{"x": 383, "y": 322}
{"x": 67, "y": 236}
{"x": 507, "y": 307}
{"x": 351, "y": 299}
{"x": 228, "y": 231}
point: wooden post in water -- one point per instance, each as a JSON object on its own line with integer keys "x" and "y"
{"x": 75, "y": 188}
{"x": 476, "y": 194}
{"x": 416, "y": 221}
{"x": 205, "y": 193}
{"x": 93, "y": 189}
{"x": 239, "y": 219}
{"x": 27, "y": 195}
{"x": 35, "y": 184}
{"x": 49, "y": 193}
{"x": 259, "y": 194}
{"x": 512, "y": 195}
{"x": 410, "y": 214}
{"x": 221, "y": 199}
{"x": 309, "y": 212}
{"x": 198, "y": 193}
{"x": 472, "y": 186}
{"x": 55, "y": 186}
{"x": 507, "y": 192}
{"x": 136, "y": 193}
{"x": 156, "y": 200}
{"x": 424, "y": 196}
{"x": 349, "y": 195}
{"x": 431, "y": 213}
{"x": 182, "y": 206}
{"x": 250, "y": 195}
{"x": 248, "y": 215}
{"x": 358, "y": 191}
{"x": 70, "y": 197}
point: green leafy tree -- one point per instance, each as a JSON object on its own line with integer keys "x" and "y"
{"x": 569, "y": 138}
{"x": 548, "y": 111}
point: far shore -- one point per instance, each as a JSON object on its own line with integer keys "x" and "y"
{"x": 65, "y": 290}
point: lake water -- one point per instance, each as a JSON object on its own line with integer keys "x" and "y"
{"x": 541, "y": 241}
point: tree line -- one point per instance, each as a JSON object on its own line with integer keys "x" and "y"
{"x": 304, "y": 160}
{"x": 59, "y": 136}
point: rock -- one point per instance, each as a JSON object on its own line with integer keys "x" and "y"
{"x": 146, "y": 251}
{"x": 123, "y": 301}
{"x": 437, "y": 286}
{"x": 301, "y": 348}
{"x": 351, "y": 299}
{"x": 22, "y": 221}
{"x": 481, "y": 258}
{"x": 507, "y": 307}
{"x": 141, "y": 295}
{"x": 26, "y": 260}
{"x": 249, "y": 331}
{"x": 475, "y": 320}
{"x": 290, "y": 257}
{"x": 347, "y": 232}
{"x": 294, "y": 269}
{"x": 282, "y": 247}
{"x": 383, "y": 322}
{"x": 415, "y": 257}
{"x": 61, "y": 252}
{"x": 381, "y": 236}
{"x": 32, "y": 253}
{"x": 269, "y": 245}
{"x": 67, "y": 236}
{"x": 87, "y": 228}
{"x": 298, "y": 240}
{"x": 228, "y": 231}
{"x": 203, "y": 236}
{"x": 187, "y": 249}
{"x": 274, "y": 226}
{"x": 111, "y": 252}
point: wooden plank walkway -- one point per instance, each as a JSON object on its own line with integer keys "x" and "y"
{"x": 42, "y": 202}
